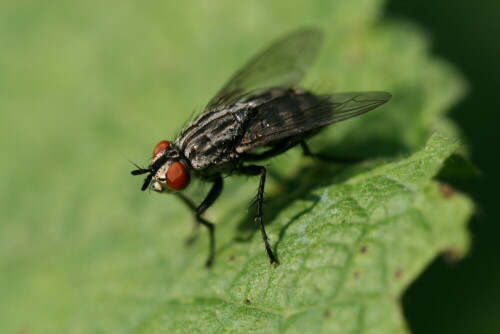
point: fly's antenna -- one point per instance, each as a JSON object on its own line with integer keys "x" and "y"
{"x": 140, "y": 171}
{"x": 148, "y": 178}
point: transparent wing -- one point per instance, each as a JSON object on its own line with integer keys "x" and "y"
{"x": 281, "y": 65}
{"x": 282, "y": 118}
{"x": 349, "y": 105}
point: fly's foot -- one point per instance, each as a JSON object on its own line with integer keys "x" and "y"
{"x": 210, "y": 261}
{"x": 191, "y": 239}
{"x": 272, "y": 258}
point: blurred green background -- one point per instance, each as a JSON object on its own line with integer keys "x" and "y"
{"x": 465, "y": 298}
{"x": 86, "y": 85}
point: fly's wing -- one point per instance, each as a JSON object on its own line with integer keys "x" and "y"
{"x": 296, "y": 113}
{"x": 281, "y": 65}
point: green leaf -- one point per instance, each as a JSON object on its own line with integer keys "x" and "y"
{"x": 82, "y": 250}
{"x": 347, "y": 251}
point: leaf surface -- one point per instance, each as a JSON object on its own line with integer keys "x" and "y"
{"x": 86, "y": 85}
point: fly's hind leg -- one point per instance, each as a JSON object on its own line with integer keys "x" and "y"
{"x": 255, "y": 170}
{"x": 325, "y": 157}
{"x": 212, "y": 195}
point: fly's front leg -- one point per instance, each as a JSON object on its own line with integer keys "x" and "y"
{"x": 198, "y": 211}
{"x": 254, "y": 171}
{"x": 324, "y": 157}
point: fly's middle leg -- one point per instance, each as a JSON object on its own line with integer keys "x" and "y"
{"x": 255, "y": 170}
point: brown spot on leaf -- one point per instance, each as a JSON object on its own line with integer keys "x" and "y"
{"x": 356, "y": 274}
{"x": 327, "y": 314}
{"x": 363, "y": 250}
{"x": 232, "y": 258}
{"x": 452, "y": 255}
{"x": 398, "y": 273}
{"x": 248, "y": 301}
{"x": 446, "y": 190}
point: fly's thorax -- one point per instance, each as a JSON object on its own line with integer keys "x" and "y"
{"x": 208, "y": 142}
{"x": 170, "y": 170}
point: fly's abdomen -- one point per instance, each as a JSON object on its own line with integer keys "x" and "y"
{"x": 288, "y": 113}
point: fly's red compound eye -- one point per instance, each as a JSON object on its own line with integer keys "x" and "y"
{"x": 177, "y": 176}
{"x": 160, "y": 147}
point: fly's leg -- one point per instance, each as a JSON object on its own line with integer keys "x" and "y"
{"x": 213, "y": 194}
{"x": 324, "y": 157}
{"x": 255, "y": 170}
{"x": 192, "y": 206}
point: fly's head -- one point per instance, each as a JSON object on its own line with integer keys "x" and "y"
{"x": 168, "y": 171}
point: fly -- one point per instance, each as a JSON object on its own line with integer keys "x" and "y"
{"x": 257, "y": 115}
